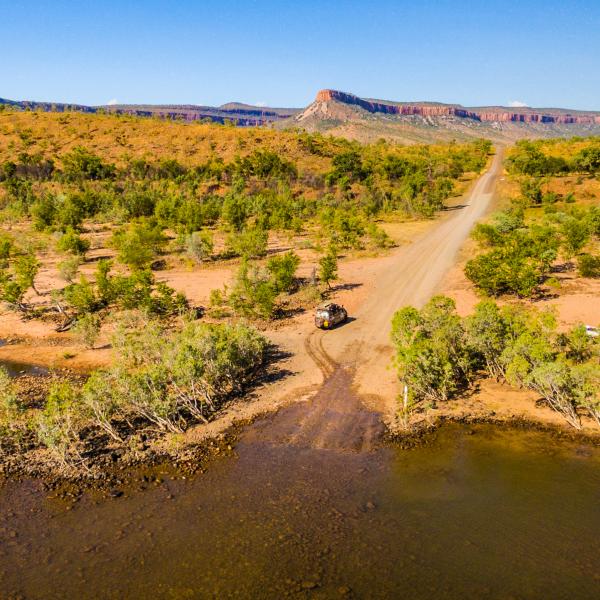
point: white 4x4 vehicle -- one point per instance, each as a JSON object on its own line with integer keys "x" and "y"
{"x": 328, "y": 315}
{"x": 592, "y": 331}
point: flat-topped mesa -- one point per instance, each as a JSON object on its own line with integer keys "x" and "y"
{"x": 449, "y": 110}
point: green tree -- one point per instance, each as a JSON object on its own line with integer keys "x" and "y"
{"x": 249, "y": 243}
{"x": 432, "y": 355}
{"x": 80, "y": 164}
{"x": 283, "y": 271}
{"x": 588, "y": 265}
{"x": 575, "y": 235}
{"x": 253, "y": 293}
{"x": 328, "y": 267}
{"x": 138, "y": 244}
{"x": 71, "y": 241}
{"x": 87, "y": 329}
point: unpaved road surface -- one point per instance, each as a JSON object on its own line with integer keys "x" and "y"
{"x": 344, "y": 378}
{"x": 359, "y": 352}
{"x": 408, "y": 277}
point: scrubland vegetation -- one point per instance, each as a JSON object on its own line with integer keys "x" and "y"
{"x": 439, "y": 355}
{"x": 161, "y": 381}
{"x": 549, "y": 224}
{"x": 541, "y": 228}
{"x": 333, "y": 189}
{"x": 199, "y": 194}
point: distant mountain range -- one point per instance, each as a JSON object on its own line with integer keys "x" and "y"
{"x": 240, "y": 114}
{"x": 366, "y": 119}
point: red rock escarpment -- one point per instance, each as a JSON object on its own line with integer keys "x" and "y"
{"x": 447, "y": 110}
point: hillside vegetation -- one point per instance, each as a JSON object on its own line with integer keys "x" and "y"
{"x": 105, "y": 201}
{"x": 205, "y": 179}
{"x": 544, "y": 243}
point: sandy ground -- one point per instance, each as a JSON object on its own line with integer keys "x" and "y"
{"x": 374, "y": 289}
{"x": 429, "y": 258}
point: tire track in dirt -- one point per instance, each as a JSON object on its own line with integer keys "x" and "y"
{"x": 357, "y": 355}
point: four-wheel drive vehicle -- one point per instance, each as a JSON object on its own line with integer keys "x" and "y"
{"x": 592, "y": 331}
{"x": 328, "y": 315}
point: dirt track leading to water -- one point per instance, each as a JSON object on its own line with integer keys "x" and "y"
{"x": 409, "y": 276}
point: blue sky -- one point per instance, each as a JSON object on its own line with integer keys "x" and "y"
{"x": 543, "y": 53}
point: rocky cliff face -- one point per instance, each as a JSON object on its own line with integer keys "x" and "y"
{"x": 499, "y": 115}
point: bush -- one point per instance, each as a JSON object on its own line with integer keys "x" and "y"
{"x": 58, "y": 425}
{"x": 283, "y": 271}
{"x": 200, "y": 245}
{"x": 81, "y": 296}
{"x": 43, "y": 211}
{"x": 432, "y": 355}
{"x": 87, "y": 329}
{"x": 438, "y": 354}
{"x": 250, "y": 243}
{"x": 81, "y": 164}
{"x": 379, "y": 238}
{"x": 159, "y": 379}
{"x": 68, "y": 268}
{"x": 71, "y": 241}
{"x": 253, "y": 293}
{"x": 517, "y": 262}
{"x": 588, "y": 265}
{"x": 328, "y": 267}
{"x": 575, "y": 235}
{"x": 17, "y": 279}
{"x": 138, "y": 244}
{"x": 6, "y": 247}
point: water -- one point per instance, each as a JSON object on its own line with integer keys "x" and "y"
{"x": 17, "y": 369}
{"x": 477, "y": 512}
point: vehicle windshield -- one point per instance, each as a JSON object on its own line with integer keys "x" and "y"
{"x": 322, "y": 313}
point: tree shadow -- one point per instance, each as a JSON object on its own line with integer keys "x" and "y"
{"x": 565, "y": 267}
{"x": 455, "y": 207}
{"x": 273, "y": 372}
{"x": 343, "y": 286}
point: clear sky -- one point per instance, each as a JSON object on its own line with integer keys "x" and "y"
{"x": 539, "y": 52}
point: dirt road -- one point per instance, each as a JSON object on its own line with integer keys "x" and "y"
{"x": 328, "y": 368}
{"x": 361, "y": 348}
{"x": 408, "y": 277}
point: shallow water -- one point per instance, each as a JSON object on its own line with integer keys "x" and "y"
{"x": 16, "y": 369}
{"x": 477, "y": 512}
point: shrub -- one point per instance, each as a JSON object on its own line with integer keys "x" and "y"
{"x": 71, "y": 241}
{"x": 87, "y": 329}
{"x": 81, "y": 164}
{"x": 432, "y": 355}
{"x": 10, "y": 406}
{"x": 328, "y": 267}
{"x": 253, "y": 293}
{"x": 517, "y": 262}
{"x": 67, "y": 269}
{"x": 379, "y": 238}
{"x": 81, "y": 296}
{"x": 283, "y": 271}
{"x": 575, "y": 235}
{"x": 6, "y": 247}
{"x": 58, "y": 425}
{"x": 43, "y": 211}
{"x": 250, "y": 243}
{"x": 438, "y": 354}
{"x": 200, "y": 245}
{"x": 588, "y": 265}
{"x": 17, "y": 279}
{"x": 138, "y": 243}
